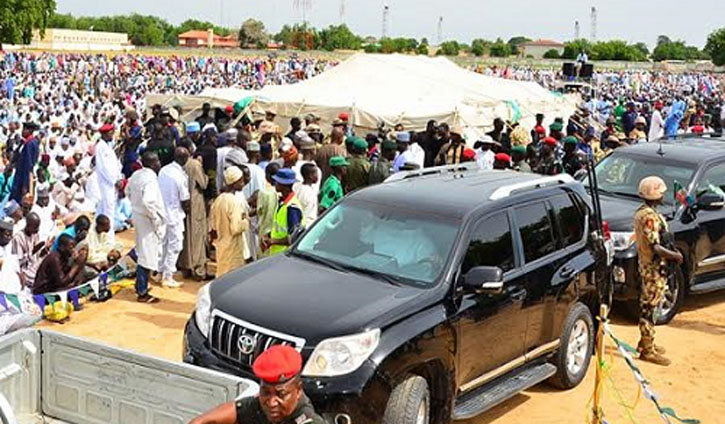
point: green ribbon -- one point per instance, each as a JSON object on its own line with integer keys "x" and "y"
{"x": 13, "y": 298}
{"x": 671, "y": 412}
{"x": 49, "y": 299}
{"x": 84, "y": 290}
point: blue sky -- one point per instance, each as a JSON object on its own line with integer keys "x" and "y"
{"x": 463, "y": 20}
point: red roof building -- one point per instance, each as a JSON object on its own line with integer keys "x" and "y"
{"x": 205, "y": 38}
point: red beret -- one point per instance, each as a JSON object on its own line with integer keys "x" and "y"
{"x": 278, "y": 364}
{"x": 502, "y": 157}
{"x": 540, "y": 130}
{"x": 229, "y": 109}
{"x": 106, "y": 128}
{"x": 550, "y": 141}
{"x": 344, "y": 116}
{"x": 469, "y": 154}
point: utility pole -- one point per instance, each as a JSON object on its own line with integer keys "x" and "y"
{"x": 342, "y": 11}
{"x": 440, "y": 30}
{"x": 386, "y": 13}
{"x": 594, "y": 25}
{"x": 576, "y": 30}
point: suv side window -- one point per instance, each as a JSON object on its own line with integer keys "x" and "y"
{"x": 537, "y": 233}
{"x": 491, "y": 244}
{"x": 569, "y": 219}
{"x": 712, "y": 180}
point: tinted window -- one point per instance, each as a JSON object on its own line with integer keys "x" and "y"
{"x": 569, "y": 218}
{"x": 712, "y": 180}
{"x": 536, "y": 231}
{"x": 491, "y": 245}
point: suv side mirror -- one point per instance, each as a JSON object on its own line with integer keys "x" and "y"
{"x": 483, "y": 279}
{"x": 296, "y": 234}
{"x": 710, "y": 201}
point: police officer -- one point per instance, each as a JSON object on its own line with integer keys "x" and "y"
{"x": 653, "y": 257}
{"x": 288, "y": 217}
{"x": 281, "y": 399}
{"x": 549, "y": 164}
{"x": 518, "y": 158}
{"x": 571, "y": 162}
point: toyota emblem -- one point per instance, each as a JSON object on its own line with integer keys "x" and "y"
{"x": 246, "y": 344}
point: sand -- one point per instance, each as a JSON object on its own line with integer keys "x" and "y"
{"x": 692, "y": 385}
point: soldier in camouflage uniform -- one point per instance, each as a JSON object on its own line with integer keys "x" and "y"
{"x": 653, "y": 258}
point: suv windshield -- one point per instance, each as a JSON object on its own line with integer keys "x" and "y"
{"x": 382, "y": 239}
{"x": 621, "y": 174}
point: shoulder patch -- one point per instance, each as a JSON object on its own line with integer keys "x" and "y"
{"x": 303, "y": 419}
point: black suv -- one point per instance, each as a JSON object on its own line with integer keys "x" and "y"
{"x": 697, "y": 164}
{"x": 426, "y": 299}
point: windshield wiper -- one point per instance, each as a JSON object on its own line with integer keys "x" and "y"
{"x": 319, "y": 260}
{"x": 391, "y": 279}
{"x": 617, "y": 193}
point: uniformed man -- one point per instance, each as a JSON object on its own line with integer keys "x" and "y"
{"x": 649, "y": 227}
{"x": 501, "y": 161}
{"x": 280, "y": 400}
{"x": 549, "y": 164}
{"x": 571, "y": 161}
{"x": 331, "y": 190}
{"x": 288, "y": 217}
{"x": 518, "y": 158}
{"x": 383, "y": 167}
{"x": 358, "y": 172}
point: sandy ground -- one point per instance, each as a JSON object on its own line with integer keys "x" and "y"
{"x": 692, "y": 385}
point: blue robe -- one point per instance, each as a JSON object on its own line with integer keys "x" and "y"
{"x": 24, "y": 165}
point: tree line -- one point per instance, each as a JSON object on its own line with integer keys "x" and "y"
{"x": 18, "y": 19}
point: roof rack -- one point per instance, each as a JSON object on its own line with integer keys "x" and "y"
{"x": 436, "y": 170}
{"x": 506, "y": 191}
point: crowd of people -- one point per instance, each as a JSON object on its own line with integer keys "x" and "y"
{"x": 83, "y": 158}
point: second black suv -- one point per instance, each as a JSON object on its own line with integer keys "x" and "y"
{"x": 426, "y": 299}
{"x": 697, "y": 219}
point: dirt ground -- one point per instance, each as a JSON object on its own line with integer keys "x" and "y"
{"x": 692, "y": 385}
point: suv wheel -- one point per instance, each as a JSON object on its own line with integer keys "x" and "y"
{"x": 575, "y": 351}
{"x": 409, "y": 403}
{"x": 674, "y": 296}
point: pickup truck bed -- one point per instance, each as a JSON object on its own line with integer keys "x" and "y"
{"x": 47, "y": 377}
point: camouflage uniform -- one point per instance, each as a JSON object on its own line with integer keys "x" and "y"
{"x": 550, "y": 165}
{"x": 648, "y": 224}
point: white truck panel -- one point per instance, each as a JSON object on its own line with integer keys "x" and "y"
{"x": 81, "y": 382}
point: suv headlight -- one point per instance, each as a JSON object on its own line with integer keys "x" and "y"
{"x": 203, "y": 310}
{"x": 341, "y": 355}
{"x": 622, "y": 240}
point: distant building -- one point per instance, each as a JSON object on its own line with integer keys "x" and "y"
{"x": 77, "y": 40}
{"x": 206, "y": 39}
{"x": 537, "y": 48}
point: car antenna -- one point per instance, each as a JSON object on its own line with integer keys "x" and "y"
{"x": 659, "y": 150}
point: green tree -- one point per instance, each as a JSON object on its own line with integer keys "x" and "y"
{"x": 500, "y": 49}
{"x": 18, "y": 19}
{"x": 339, "y": 37}
{"x": 515, "y": 42}
{"x": 573, "y": 48}
{"x": 480, "y": 47}
{"x": 642, "y": 47}
{"x": 715, "y": 47}
{"x": 449, "y": 48}
{"x": 552, "y": 54}
{"x": 253, "y": 33}
{"x": 674, "y": 50}
{"x": 423, "y": 47}
{"x": 617, "y": 50}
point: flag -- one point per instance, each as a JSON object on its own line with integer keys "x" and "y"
{"x": 13, "y": 298}
{"x": 682, "y": 196}
{"x": 3, "y": 302}
{"x": 73, "y": 295}
{"x": 40, "y": 301}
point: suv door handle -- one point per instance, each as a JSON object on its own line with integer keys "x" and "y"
{"x": 567, "y": 272}
{"x": 519, "y": 295}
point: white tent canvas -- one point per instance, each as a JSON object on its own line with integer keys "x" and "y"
{"x": 393, "y": 89}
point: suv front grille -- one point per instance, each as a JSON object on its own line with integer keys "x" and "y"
{"x": 241, "y": 342}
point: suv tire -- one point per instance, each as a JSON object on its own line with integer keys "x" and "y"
{"x": 409, "y": 403}
{"x": 575, "y": 350}
{"x": 675, "y": 300}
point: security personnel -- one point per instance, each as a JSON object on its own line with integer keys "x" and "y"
{"x": 331, "y": 190}
{"x": 549, "y": 164}
{"x": 288, "y": 216}
{"x": 571, "y": 162}
{"x": 653, "y": 257}
{"x": 358, "y": 172}
{"x": 281, "y": 399}
{"x": 382, "y": 168}
{"x": 518, "y": 157}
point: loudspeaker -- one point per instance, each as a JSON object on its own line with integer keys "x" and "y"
{"x": 568, "y": 69}
{"x": 586, "y": 70}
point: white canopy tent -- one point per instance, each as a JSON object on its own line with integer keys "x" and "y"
{"x": 410, "y": 90}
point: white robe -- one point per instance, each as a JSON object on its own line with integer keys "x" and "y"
{"x": 107, "y": 173}
{"x": 657, "y": 126}
{"x": 149, "y": 216}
